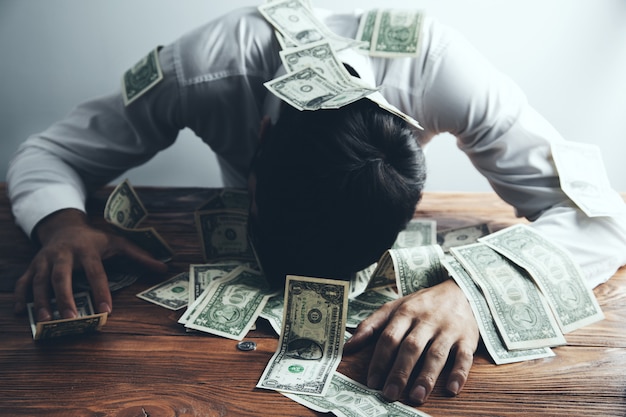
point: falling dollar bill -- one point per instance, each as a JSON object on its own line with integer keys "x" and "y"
{"x": 297, "y": 24}
{"x": 124, "y": 210}
{"x": 312, "y": 336}
{"x": 555, "y": 272}
{"x": 319, "y": 56}
{"x": 232, "y": 304}
{"x": 583, "y": 178}
{"x": 519, "y": 310}
{"x": 496, "y": 348}
{"x": 307, "y": 89}
{"x": 85, "y": 322}
{"x": 172, "y": 294}
{"x": 348, "y": 398}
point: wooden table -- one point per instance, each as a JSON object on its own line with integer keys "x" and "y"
{"x": 143, "y": 363}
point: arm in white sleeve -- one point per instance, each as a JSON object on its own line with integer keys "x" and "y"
{"x": 94, "y": 144}
{"x": 509, "y": 143}
{"x": 212, "y": 83}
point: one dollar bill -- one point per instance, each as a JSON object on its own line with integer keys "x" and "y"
{"x": 346, "y": 397}
{"x": 522, "y": 315}
{"x": 86, "y": 321}
{"x": 555, "y": 272}
{"x": 488, "y": 330}
{"x": 312, "y": 336}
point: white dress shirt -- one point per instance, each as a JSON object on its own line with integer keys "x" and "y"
{"x": 213, "y": 84}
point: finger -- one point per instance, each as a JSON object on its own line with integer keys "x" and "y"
{"x": 435, "y": 358}
{"x": 41, "y": 292}
{"x": 140, "y": 256}
{"x": 464, "y": 357}
{"x": 409, "y": 353}
{"x": 99, "y": 283}
{"x": 22, "y": 287}
{"x": 61, "y": 278}
{"x": 386, "y": 348}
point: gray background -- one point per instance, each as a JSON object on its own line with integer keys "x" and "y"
{"x": 569, "y": 56}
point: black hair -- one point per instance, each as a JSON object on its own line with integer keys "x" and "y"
{"x": 333, "y": 190}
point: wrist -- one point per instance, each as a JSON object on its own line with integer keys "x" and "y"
{"x": 59, "y": 220}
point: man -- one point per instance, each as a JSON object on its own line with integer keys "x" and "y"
{"x": 213, "y": 83}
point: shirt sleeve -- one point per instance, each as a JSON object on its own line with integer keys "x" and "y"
{"x": 212, "y": 83}
{"x": 95, "y": 143}
{"x": 510, "y": 144}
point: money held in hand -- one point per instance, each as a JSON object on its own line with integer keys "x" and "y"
{"x": 86, "y": 322}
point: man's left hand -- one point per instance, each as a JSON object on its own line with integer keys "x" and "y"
{"x": 435, "y": 323}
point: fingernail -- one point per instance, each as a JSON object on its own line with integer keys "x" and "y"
{"x": 373, "y": 382}
{"x": 418, "y": 394}
{"x": 391, "y": 392}
{"x": 104, "y": 308}
{"x": 68, "y": 314}
{"x": 453, "y": 387}
{"x": 43, "y": 315}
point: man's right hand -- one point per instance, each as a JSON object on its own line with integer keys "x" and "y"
{"x": 68, "y": 242}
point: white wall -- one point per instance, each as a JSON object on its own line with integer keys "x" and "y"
{"x": 569, "y": 56}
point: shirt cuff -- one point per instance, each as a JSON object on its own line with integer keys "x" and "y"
{"x": 31, "y": 209}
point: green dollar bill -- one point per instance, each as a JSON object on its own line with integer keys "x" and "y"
{"x": 124, "y": 208}
{"x": 321, "y": 57}
{"x": 418, "y": 232}
{"x": 232, "y": 305}
{"x": 348, "y": 398}
{"x": 461, "y": 236}
{"x": 365, "y": 31}
{"x": 384, "y": 274}
{"x": 491, "y": 338}
{"x": 519, "y": 310}
{"x": 172, "y": 294}
{"x": 555, "y": 272}
{"x": 85, "y": 322}
{"x": 273, "y": 312}
{"x": 365, "y": 304}
{"x": 307, "y": 89}
{"x": 224, "y": 235}
{"x": 141, "y": 77}
{"x": 396, "y": 33}
{"x": 200, "y": 279}
{"x": 312, "y": 336}
{"x": 417, "y": 267}
{"x": 295, "y": 21}
{"x": 360, "y": 280}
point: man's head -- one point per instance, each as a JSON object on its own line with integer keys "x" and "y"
{"x": 333, "y": 190}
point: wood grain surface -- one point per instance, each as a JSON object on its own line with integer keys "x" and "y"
{"x": 143, "y": 363}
